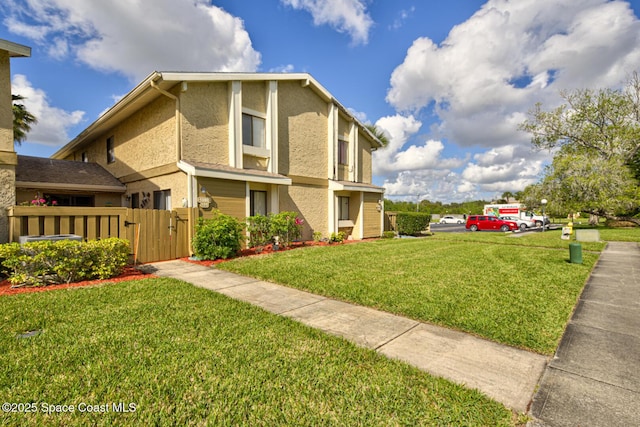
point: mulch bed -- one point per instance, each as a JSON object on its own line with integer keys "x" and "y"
{"x": 129, "y": 273}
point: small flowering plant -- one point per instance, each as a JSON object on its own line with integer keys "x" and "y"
{"x": 41, "y": 201}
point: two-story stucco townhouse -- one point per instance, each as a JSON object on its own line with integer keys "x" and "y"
{"x": 244, "y": 143}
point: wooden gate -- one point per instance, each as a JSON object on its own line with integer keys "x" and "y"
{"x": 154, "y": 235}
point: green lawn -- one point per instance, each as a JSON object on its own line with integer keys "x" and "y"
{"x": 187, "y": 356}
{"x": 514, "y": 290}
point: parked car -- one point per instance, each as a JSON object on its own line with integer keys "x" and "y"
{"x": 448, "y": 219}
{"x": 522, "y": 223}
{"x": 489, "y": 222}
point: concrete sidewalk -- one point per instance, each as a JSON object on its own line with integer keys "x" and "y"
{"x": 594, "y": 378}
{"x": 503, "y": 373}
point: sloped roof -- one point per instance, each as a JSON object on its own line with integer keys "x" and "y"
{"x": 355, "y": 186}
{"x": 40, "y": 172}
{"x": 216, "y": 170}
{"x": 147, "y": 90}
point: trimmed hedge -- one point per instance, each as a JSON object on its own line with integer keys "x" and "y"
{"x": 412, "y": 223}
{"x": 64, "y": 261}
{"x": 218, "y": 237}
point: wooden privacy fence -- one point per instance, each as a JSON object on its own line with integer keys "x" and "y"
{"x": 390, "y": 221}
{"x": 154, "y": 235}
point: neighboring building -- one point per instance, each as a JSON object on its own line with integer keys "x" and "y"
{"x": 65, "y": 183}
{"x": 8, "y": 157}
{"x": 244, "y": 143}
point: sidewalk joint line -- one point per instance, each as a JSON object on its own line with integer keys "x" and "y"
{"x": 576, "y": 374}
{"x": 397, "y": 336}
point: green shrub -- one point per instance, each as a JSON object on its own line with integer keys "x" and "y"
{"x": 64, "y": 261}
{"x": 259, "y": 227}
{"x": 107, "y": 257}
{"x": 388, "y": 235}
{"x": 412, "y": 223}
{"x": 218, "y": 237}
{"x": 287, "y": 226}
{"x": 317, "y": 236}
{"x": 337, "y": 237}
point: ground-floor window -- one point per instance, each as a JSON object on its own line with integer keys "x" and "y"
{"x": 257, "y": 203}
{"x": 343, "y": 208}
{"x": 162, "y": 199}
{"x": 70, "y": 200}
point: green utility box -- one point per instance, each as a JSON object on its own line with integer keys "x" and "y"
{"x": 575, "y": 253}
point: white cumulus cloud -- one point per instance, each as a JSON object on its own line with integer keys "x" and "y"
{"x": 53, "y": 123}
{"x": 136, "y": 38}
{"x": 346, "y": 16}
{"x": 490, "y": 70}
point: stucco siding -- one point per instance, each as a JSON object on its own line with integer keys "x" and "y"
{"x": 6, "y": 111}
{"x": 205, "y": 122}
{"x": 144, "y": 140}
{"x": 311, "y": 202}
{"x": 343, "y": 128}
{"x": 364, "y": 172}
{"x": 302, "y": 131}
{"x": 176, "y": 182}
{"x": 254, "y": 96}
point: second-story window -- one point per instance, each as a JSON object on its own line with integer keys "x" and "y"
{"x": 343, "y": 152}
{"x": 85, "y": 157}
{"x": 111, "y": 156}
{"x": 253, "y": 130}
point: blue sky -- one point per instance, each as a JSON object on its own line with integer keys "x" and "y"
{"x": 448, "y": 81}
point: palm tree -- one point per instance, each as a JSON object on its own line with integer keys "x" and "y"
{"x": 507, "y": 196}
{"x": 22, "y": 120}
{"x": 378, "y": 133}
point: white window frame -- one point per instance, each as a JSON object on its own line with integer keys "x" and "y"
{"x": 262, "y": 118}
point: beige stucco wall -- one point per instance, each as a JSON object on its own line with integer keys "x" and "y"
{"x": 7, "y": 154}
{"x": 205, "y": 122}
{"x": 343, "y": 127}
{"x": 365, "y": 170}
{"x": 254, "y": 96}
{"x": 6, "y": 109}
{"x": 144, "y": 140}
{"x": 176, "y": 182}
{"x": 302, "y": 131}
{"x": 311, "y": 202}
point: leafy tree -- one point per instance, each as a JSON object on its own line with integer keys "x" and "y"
{"x": 596, "y": 139}
{"x": 22, "y": 120}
